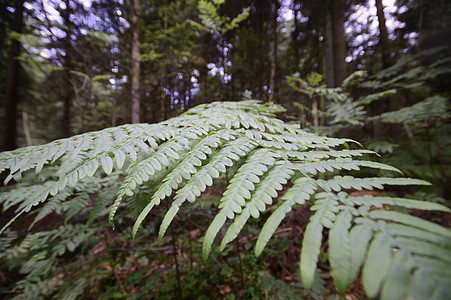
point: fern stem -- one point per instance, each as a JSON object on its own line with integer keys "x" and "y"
{"x": 177, "y": 271}
{"x": 190, "y": 251}
{"x": 240, "y": 263}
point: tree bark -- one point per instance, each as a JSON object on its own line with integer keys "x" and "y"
{"x": 339, "y": 41}
{"x": 67, "y": 66}
{"x": 135, "y": 62}
{"x": 295, "y": 37}
{"x": 26, "y": 128}
{"x": 273, "y": 76}
{"x": 330, "y": 76}
{"x": 384, "y": 42}
{"x": 12, "y": 83}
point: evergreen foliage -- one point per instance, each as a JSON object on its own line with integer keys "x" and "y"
{"x": 270, "y": 168}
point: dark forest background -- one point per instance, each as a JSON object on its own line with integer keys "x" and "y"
{"x": 74, "y": 66}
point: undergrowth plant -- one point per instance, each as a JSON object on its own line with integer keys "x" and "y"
{"x": 401, "y": 111}
{"x": 270, "y": 167}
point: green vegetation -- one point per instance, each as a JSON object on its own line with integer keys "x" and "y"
{"x": 259, "y": 159}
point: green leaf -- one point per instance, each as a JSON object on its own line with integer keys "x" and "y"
{"x": 311, "y": 247}
{"x": 377, "y": 264}
{"x": 360, "y": 237}
{"x": 141, "y": 218}
{"x": 410, "y": 220}
{"x": 271, "y": 225}
{"x": 211, "y": 233}
{"x": 399, "y": 278}
{"x": 340, "y": 254}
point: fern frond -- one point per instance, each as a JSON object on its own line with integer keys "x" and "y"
{"x": 348, "y": 182}
{"x": 400, "y": 202}
{"x": 53, "y": 204}
{"x": 183, "y": 156}
{"x": 237, "y": 192}
{"x": 340, "y": 164}
{"x": 340, "y": 254}
{"x": 218, "y": 164}
{"x": 301, "y": 191}
{"x": 326, "y": 209}
{"x": 263, "y": 194}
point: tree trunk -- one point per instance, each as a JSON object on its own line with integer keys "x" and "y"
{"x": 330, "y": 76}
{"x": 273, "y": 76}
{"x": 339, "y": 41}
{"x": 67, "y": 66}
{"x": 26, "y": 128}
{"x": 165, "y": 69}
{"x": 12, "y": 83}
{"x": 135, "y": 62}
{"x": 295, "y": 38}
{"x": 163, "y": 105}
{"x": 384, "y": 42}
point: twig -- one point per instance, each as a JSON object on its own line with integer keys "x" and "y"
{"x": 152, "y": 249}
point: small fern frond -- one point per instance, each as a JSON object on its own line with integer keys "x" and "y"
{"x": 238, "y": 191}
{"x": 301, "y": 191}
{"x": 262, "y": 196}
{"x": 340, "y": 164}
{"x": 53, "y": 204}
{"x": 348, "y": 182}
{"x": 218, "y": 164}
{"x": 340, "y": 254}
{"x": 325, "y": 214}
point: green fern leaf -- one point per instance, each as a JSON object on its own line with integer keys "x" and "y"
{"x": 311, "y": 242}
{"x": 377, "y": 265}
{"x": 231, "y": 151}
{"x": 238, "y": 191}
{"x": 360, "y": 237}
{"x": 399, "y": 278}
{"x": 264, "y": 192}
{"x": 411, "y": 221}
{"x": 300, "y": 191}
{"x": 340, "y": 256}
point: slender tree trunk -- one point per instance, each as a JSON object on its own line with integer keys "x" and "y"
{"x": 394, "y": 101}
{"x": 67, "y": 66}
{"x": 339, "y": 41}
{"x": 330, "y": 76}
{"x": 162, "y": 105}
{"x": 315, "y": 118}
{"x": 384, "y": 42}
{"x": 295, "y": 38}
{"x": 12, "y": 82}
{"x": 420, "y": 26}
{"x": 165, "y": 70}
{"x": 26, "y": 128}
{"x": 113, "y": 113}
{"x": 135, "y": 62}
{"x": 273, "y": 76}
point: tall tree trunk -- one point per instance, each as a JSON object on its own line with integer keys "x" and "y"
{"x": 339, "y": 41}
{"x": 26, "y": 128}
{"x": 273, "y": 75}
{"x": 165, "y": 69}
{"x": 394, "y": 101}
{"x": 330, "y": 70}
{"x": 295, "y": 38}
{"x": 135, "y": 62}
{"x": 12, "y": 83}
{"x": 67, "y": 66}
{"x": 384, "y": 42}
{"x": 163, "y": 100}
